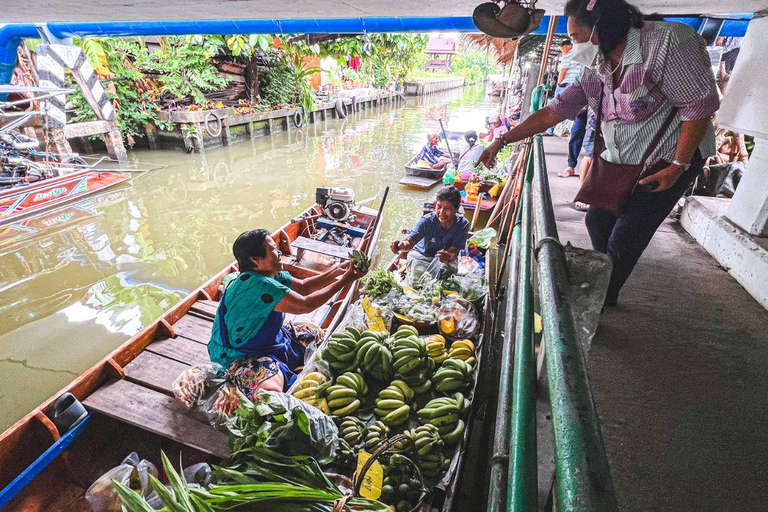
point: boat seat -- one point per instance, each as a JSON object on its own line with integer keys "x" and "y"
{"x": 154, "y": 371}
{"x": 194, "y": 327}
{"x": 157, "y": 413}
{"x": 180, "y": 349}
{"x": 303, "y": 243}
{"x": 419, "y": 182}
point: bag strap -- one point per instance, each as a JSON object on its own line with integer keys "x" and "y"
{"x": 656, "y": 139}
{"x": 659, "y": 134}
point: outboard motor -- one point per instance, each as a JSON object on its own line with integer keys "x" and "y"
{"x": 337, "y": 202}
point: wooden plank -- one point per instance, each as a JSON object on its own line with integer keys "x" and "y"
{"x": 307, "y": 244}
{"x": 86, "y": 129}
{"x": 194, "y": 328}
{"x": 204, "y": 308}
{"x": 180, "y": 349}
{"x": 418, "y": 182}
{"x": 154, "y": 371}
{"x": 156, "y": 413}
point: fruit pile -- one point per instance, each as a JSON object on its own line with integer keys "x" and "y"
{"x": 401, "y": 488}
{"x": 464, "y": 350}
{"x": 311, "y": 389}
{"x": 374, "y": 357}
{"x": 393, "y": 405}
{"x": 404, "y": 371}
{"x": 347, "y": 394}
{"x": 453, "y": 374}
{"x": 411, "y": 363}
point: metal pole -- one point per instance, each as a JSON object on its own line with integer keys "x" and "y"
{"x": 448, "y": 145}
{"x": 522, "y": 481}
{"x": 583, "y": 477}
{"x": 499, "y": 460}
{"x": 547, "y": 44}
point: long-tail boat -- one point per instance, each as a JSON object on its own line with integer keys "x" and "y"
{"x": 128, "y": 394}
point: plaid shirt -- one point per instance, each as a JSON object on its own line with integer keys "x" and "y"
{"x": 667, "y": 66}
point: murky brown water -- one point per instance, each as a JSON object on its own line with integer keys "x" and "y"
{"x": 76, "y": 284}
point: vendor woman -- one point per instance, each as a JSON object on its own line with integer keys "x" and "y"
{"x": 440, "y": 235}
{"x": 249, "y": 339}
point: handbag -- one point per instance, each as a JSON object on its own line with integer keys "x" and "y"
{"x": 609, "y": 186}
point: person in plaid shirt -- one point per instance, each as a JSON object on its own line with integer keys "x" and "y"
{"x": 644, "y": 70}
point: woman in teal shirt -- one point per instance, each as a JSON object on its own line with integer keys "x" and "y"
{"x": 248, "y": 338}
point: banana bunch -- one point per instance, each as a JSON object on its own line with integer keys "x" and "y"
{"x": 436, "y": 348}
{"x": 433, "y": 463}
{"x": 361, "y": 262}
{"x": 311, "y": 388}
{"x": 345, "y": 397}
{"x": 373, "y": 357}
{"x": 392, "y": 406}
{"x": 444, "y": 413}
{"x": 411, "y": 361}
{"x": 345, "y": 454}
{"x": 340, "y": 350}
{"x": 404, "y": 444}
{"x": 426, "y": 438}
{"x": 352, "y": 431}
{"x": 377, "y": 434}
{"x": 464, "y": 350}
{"x": 454, "y": 374}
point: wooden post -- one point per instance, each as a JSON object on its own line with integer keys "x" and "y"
{"x": 114, "y": 142}
{"x": 151, "y": 131}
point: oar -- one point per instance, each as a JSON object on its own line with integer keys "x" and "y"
{"x": 450, "y": 153}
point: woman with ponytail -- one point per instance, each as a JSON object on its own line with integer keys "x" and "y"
{"x": 653, "y": 89}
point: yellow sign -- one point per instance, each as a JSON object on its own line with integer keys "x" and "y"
{"x": 374, "y": 321}
{"x": 373, "y": 479}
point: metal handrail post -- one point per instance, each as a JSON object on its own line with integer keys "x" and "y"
{"x": 522, "y": 483}
{"x": 583, "y": 477}
{"x": 500, "y": 458}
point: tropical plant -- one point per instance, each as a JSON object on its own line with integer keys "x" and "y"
{"x": 238, "y": 45}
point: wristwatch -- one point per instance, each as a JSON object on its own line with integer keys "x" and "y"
{"x": 681, "y": 165}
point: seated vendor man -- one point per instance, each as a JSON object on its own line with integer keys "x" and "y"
{"x": 249, "y": 339}
{"x": 432, "y": 155}
{"x": 442, "y": 234}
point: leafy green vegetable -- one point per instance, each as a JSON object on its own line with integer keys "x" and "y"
{"x": 379, "y": 283}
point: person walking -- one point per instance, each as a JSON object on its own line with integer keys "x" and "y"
{"x": 654, "y": 93}
{"x": 570, "y": 71}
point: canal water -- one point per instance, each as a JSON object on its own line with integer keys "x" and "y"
{"x": 77, "y": 283}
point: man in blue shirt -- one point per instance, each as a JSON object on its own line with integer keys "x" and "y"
{"x": 442, "y": 234}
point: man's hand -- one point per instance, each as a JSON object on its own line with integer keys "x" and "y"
{"x": 664, "y": 179}
{"x": 444, "y": 256}
{"x": 488, "y": 156}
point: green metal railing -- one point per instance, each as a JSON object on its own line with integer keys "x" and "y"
{"x": 583, "y": 478}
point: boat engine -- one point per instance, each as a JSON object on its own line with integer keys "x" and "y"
{"x": 337, "y": 202}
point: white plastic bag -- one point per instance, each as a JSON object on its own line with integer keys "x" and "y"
{"x": 132, "y": 472}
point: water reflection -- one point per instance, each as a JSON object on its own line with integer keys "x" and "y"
{"x": 75, "y": 284}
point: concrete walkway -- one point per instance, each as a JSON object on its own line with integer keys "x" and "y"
{"x": 679, "y": 372}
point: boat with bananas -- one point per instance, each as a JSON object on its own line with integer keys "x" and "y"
{"x": 401, "y": 392}
{"x": 125, "y": 402}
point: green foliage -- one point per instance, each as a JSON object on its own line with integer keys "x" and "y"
{"x": 238, "y": 45}
{"x": 286, "y": 82}
{"x": 384, "y": 57}
{"x": 474, "y": 66}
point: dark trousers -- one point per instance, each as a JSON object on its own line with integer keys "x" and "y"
{"x": 577, "y": 138}
{"x": 625, "y": 238}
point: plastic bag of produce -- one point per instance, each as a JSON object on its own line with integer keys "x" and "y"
{"x": 457, "y": 318}
{"x": 284, "y": 424}
{"x": 196, "y": 475}
{"x": 474, "y": 287}
{"x": 368, "y": 317}
{"x": 191, "y": 385}
{"x": 220, "y": 402}
{"x": 132, "y": 472}
{"x": 482, "y": 238}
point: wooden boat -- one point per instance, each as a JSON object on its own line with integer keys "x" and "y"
{"x": 423, "y": 177}
{"x": 444, "y": 492}
{"x": 128, "y": 393}
{"x": 52, "y": 193}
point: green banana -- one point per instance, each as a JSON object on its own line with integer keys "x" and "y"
{"x": 398, "y": 416}
{"x": 455, "y": 435}
{"x": 349, "y": 409}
